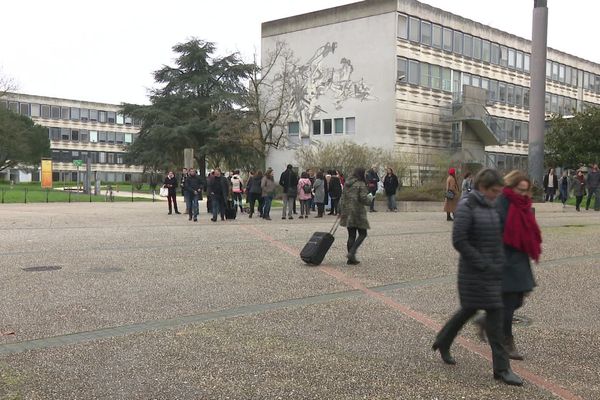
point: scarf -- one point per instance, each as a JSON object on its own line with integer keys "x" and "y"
{"x": 521, "y": 230}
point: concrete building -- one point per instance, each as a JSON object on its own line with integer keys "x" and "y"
{"x": 436, "y": 87}
{"x": 78, "y": 130}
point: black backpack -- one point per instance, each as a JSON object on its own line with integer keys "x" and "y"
{"x": 307, "y": 188}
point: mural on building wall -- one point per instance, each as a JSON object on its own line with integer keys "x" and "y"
{"x": 316, "y": 78}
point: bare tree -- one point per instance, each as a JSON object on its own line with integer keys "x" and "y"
{"x": 7, "y": 84}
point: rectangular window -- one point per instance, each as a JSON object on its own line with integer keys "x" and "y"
{"x": 519, "y": 60}
{"x": 110, "y": 158}
{"x": 458, "y": 42}
{"x": 526, "y": 97}
{"x": 65, "y": 134}
{"x": 485, "y": 83}
{"x": 350, "y": 126}
{"x": 525, "y": 133}
{"x": 327, "y": 127}
{"x": 119, "y": 119}
{"x": 548, "y": 69}
{"x": 413, "y": 72}
{"x": 55, "y": 112}
{"x": 511, "y": 58}
{"x": 111, "y": 117}
{"x": 554, "y": 103}
{"x": 426, "y": 33}
{"x": 554, "y": 71}
{"x": 93, "y": 115}
{"x": 338, "y": 125}
{"x": 102, "y": 116}
{"x": 13, "y": 106}
{"x": 495, "y": 59}
{"x": 424, "y": 81}
{"x": 316, "y": 125}
{"x": 547, "y": 105}
{"x": 102, "y": 157}
{"x": 101, "y": 137}
{"x": 561, "y": 73}
{"x": 129, "y": 137}
{"x": 477, "y": 48}
{"x": 402, "y": 26}
{"x": 293, "y": 128}
{"x": 75, "y": 135}
{"x": 85, "y": 114}
{"x": 448, "y": 39}
{"x": 510, "y": 94}
{"x": 437, "y": 36}
{"x": 466, "y": 79}
{"x": 402, "y": 69}
{"x": 65, "y": 113}
{"x": 576, "y": 77}
{"x": 84, "y": 136}
{"x": 526, "y": 62}
{"x": 502, "y": 92}
{"x": 54, "y": 133}
{"x": 503, "y": 56}
{"x": 35, "y": 110}
{"x": 435, "y": 72}
{"x": 519, "y": 96}
{"x": 24, "y": 109}
{"x": 110, "y": 137}
{"x": 468, "y": 45}
{"x": 93, "y": 136}
{"x": 414, "y": 32}
{"x": 75, "y": 114}
{"x": 447, "y": 79}
{"x": 517, "y": 131}
{"x": 485, "y": 51}
{"x": 120, "y": 158}
{"x": 510, "y": 129}
{"x": 128, "y": 120}
{"x": 568, "y": 75}
{"x": 493, "y": 92}
{"x": 476, "y": 81}
{"x": 119, "y": 138}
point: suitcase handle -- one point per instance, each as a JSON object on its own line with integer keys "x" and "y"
{"x": 335, "y": 226}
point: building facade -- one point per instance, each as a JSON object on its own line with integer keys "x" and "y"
{"x": 430, "y": 84}
{"x": 78, "y": 130}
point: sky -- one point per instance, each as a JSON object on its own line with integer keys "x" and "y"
{"x": 106, "y": 51}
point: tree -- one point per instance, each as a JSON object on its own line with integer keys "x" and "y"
{"x": 185, "y": 109}
{"x": 7, "y": 84}
{"x": 571, "y": 142}
{"x": 21, "y": 140}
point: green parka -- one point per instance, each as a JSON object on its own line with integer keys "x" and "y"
{"x": 354, "y": 200}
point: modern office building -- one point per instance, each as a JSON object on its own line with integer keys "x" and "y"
{"x": 430, "y": 84}
{"x": 78, "y": 130}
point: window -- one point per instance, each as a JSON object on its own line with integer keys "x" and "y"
{"x": 510, "y": 129}
{"x": 402, "y": 68}
{"x": 493, "y": 92}
{"x": 75, "y": 135}
{"x": 424, "y": 81}
{"x": 554, "y": 104}
{"x": 85, "y": 114}
{"x": 102, "y": 116}
{"x": 101, "y": 137}
{"x": 447, "y": 79}
{"x": 413, "y": 72}
{"x": 435, "y": 73}
{"x": 526, "y": 62}
{"x": 35, "y": 110}
{"x": 111, "y": 117}
{"x": 350, "y": 125}
{"x": 466, "y": 79}
{"x": 13, "y": 106}
{"x": 568, "y": 75}
{"x": 65, "y": 113}
{"x": 458, "y": 42}
{"x": 128, "y": 120}
{"x": 110, "y": 158}
{"x": 517, "y": 131}
{"x": 24, "y": 109}
{"x": 84, "y": 136}
{"x": 327, "y": 128}
{"x": 574, "y": 79}
{"x": 293, "y": 129}
{"x": 476, "y": 81}
{"x": 414, "y": 31}
{"x": 75, "y": 114}
{"x": 503, "y": 56}
{"x": 120, "y": 119}
{"x": 402, "y": 26}
{"x": 447, "y": 39}
{"x": 437, "y": 36}
{"x": 519, "y": 60}
{"x": 110, "y": 137}
{"x": 54, "y": 134}
{"x": 66, "y": 156}
{"x": 485, "y": 83}
{"x": 65, "y": 134}
{"x": 561, "y": 73}
{"x": 510, "y": 94}
{"x": 554, "y": 71}
{"x": 102, "y": 157}
{"x": 485, "y": 51}
{"x": 547, "y": 105}
{"x": 477, "y": 48}
{"x": 525, "y": 134}
{"x": 129, "y": 138}
{"x": 93, "y": 115}
{"x": 468, "y": 45}
{"x": 511, "y": 58}
{"x": 426, "y": 33}
{"x": 549, "y": 69}
{"x": 519, "y": 96}
{"x": 502, "y": 92}
{"x": 93, "y": 136}
{"x": 338, "y": 125}
{"x": 119, "y": 138}
{"x": 495, "y": 56}
{"x": 316, "y": 125}
{"x": 120, "y": 158}
{"x": 55, "y": 112}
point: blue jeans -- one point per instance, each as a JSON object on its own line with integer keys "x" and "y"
{"x": 193, "y": 205}
{"x": 186, "y": 199}
{"x": 267, "y": 200}
{"x": 391, "y": 202}
{"x": 217, "y": 207}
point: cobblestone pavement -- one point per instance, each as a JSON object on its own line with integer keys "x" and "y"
{"x": 147, "y": 305}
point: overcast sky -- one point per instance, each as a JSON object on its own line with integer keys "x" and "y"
{"x": 106, "y": 51}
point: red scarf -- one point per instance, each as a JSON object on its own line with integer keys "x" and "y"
{"x": 521, "y": 231}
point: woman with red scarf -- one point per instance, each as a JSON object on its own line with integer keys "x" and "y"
{"x": 522, "y": 241}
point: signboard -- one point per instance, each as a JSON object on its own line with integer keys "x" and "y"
{"x": 46, "y": 174}
{"x": 78, "y": 163}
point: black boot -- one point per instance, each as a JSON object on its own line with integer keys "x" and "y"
{"x": 511, "y": 349}
{"x": 445, "y": 353}
{"x": 508, "y": 377}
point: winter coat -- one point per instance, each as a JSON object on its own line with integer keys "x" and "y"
{"x": 466, "y": 187}
{"x": 354, "y": 199}
{"x": 516, "y": 274}
{"x": 390, "y": 184}
{"x": 255, "y": 185}
{"x": 451, "y": 185}
{"x": 301, "y": 194}
{"x": 319, "y": 188}
{"x": 477, "y": 236}
{"x": 194, "y": 184}
{"x": 171, "y": 184}
{"x": 289, "y": 182}
{"x": 578, "y": 187}
{"x": 335, "y": 187}
{"x": 554, "y": 181}
{"x": 219, "y": 187}
{"x": 372, "y": 181}
{"x": 593, "y": 179}
{"x": 183, "y": 178}
{"x": 268, "y": 186}
{"x": 237, "y": 184}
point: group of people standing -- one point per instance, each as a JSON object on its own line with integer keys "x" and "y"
{"x": 580, "y": 184}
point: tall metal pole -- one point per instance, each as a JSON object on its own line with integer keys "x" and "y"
{"x": 537, "y": 97}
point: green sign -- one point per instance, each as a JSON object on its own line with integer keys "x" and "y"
{"x": 78, "y": 163}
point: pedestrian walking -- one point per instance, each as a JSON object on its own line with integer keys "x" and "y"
{"x": 477, "y": 236}
{"x": 193, "y": 186}
{"x": 593, "y": 185}
{"x": 304, "y": 190}
{"x": 171, "y": 184}
{"x": 372, "y": 185}
{"x": 319, "y": 191}
{"x": 563, "y": 188}
{"x": 355, "y": 197}
{"x": 335, "y": 193}
{"x": 289, "y": 182}
{"x": 255, "y": 193}
{"x": 237, "y": 190}
{"x": 451, "y": 200}
{"x": 390, "y": 186}
{"x": 550, "y": 185}
{"x": 268, "y": 187}
{"x": 218, "y": 188}
{"x": 579, "y": 189}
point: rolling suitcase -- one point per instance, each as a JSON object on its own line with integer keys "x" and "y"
{"x": 317, "y": 247}
{"x": 230, "y": 210}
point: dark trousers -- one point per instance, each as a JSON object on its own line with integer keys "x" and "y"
{"x": 493, "y": 325}
{"x": 335, "y": 206}
{"x": 578, "y": 200}
{"x": 320, "y": 209}
{"x": 372, "y": 207}
{"x": 217, "y": 207}
{"x": 253, "y": 198}
{"x": 237, "y": 200}
{"x": 172, "y": 197}
{"x": 304, "y": 207}
{"x": 592, "y": 192}
{"x": 354, "y": 242}
{"x": 550, "y": 194}
{"x": 512, "y": 302}
{"x": 193, "y": 207}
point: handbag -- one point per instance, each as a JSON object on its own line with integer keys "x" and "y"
{"x": 450, "y": 195}
{"x": 163, "y": 192}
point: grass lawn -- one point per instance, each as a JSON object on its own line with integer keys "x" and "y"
{"x": 33, "y": 193}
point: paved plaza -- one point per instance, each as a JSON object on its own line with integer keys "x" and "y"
{"x": 147, "y": 305}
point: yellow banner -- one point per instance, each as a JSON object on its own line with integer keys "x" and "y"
{"x": 46, "y": 174}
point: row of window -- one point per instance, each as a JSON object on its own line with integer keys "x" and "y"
{"x": 85, "y": 136}
{"x": 424, "y": 74}
{"x": 35, "y": 110}
{"x": 510, "y": 130}
{"x": 338, "y": 126}
{"x": 507, "y": 162}
{"x": 463, "y": 44}
{"x": 62, "y": 176}
{"x": 96, "y": 157}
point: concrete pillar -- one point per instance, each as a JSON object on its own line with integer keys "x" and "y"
{"x": 538, "y": 91}
{"x": 188, "y": 158}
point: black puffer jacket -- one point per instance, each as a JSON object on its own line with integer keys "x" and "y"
{"x": 478, "y": 238}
